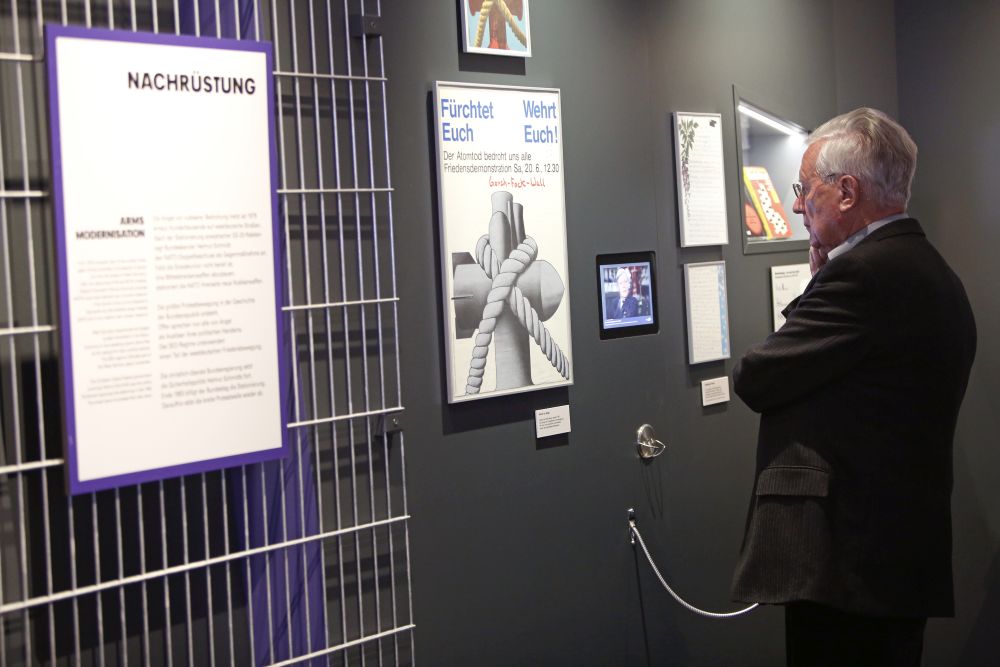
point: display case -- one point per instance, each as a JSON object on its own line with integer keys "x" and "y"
{"x": 770, "y": 152}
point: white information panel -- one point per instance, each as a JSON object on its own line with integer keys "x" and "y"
{"x": 701, "y": 182}
{"x": 163, "y": 171}
{"x": 707, "y": 311}
{"x": 787, "y": 282}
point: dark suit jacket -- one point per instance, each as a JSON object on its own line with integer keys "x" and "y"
{"x": 627, "y": 308}
{"x": 859, "y": 393}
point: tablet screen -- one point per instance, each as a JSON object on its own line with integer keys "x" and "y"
{"x": 626, "y": 287}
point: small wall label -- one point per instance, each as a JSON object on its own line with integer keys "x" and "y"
{"x": 715, "y": 391}
{"x": 552, "y": 421}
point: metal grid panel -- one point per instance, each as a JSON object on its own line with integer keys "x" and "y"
{"x": 304, "y": 560}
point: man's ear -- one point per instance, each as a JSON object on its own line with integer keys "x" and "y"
{"x": 850, "y": 191}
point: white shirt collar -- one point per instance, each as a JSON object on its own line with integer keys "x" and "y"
{"x": 856, "y": 238}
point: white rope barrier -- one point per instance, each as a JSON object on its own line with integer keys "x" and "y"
{"x": 634, "y": 532}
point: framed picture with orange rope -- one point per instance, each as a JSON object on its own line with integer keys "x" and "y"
{"x": 497, "y": 27}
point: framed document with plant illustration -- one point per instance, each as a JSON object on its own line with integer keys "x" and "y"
{"x": 701, "y": 182}
{"x": 496, "y": 27}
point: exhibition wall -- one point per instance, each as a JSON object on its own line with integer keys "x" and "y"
{"x": 519, "y": 545}
{"x": 947, "y": 64}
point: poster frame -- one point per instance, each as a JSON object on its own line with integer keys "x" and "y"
{"x": 449, "y": 327}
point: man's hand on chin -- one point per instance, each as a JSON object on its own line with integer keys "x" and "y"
{"x": 817, "y": 258}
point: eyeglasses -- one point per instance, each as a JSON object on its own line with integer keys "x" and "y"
{"x": 800, "y": 190}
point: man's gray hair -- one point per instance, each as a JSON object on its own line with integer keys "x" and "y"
{"x": 875, "y": 149}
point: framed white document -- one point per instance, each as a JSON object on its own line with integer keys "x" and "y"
{"x": 707, "y": 311}
{"x": 503, "y": 239}
{"x": 787, "y": 282}
{"x": 701, "y": 182}
{"x": 168, "y": 253}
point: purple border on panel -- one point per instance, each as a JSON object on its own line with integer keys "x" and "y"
{"x": 52, "y": 33}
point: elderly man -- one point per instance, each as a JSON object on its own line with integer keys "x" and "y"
{"x": 626, "y": 305}
{"x": 849, "y": 524}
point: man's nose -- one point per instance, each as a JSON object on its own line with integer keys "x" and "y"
{"x": 797, "y": 206}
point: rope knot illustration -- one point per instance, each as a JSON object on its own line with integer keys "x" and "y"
{"x": 510, "y": 294}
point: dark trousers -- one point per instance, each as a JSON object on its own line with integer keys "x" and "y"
{"x": 821, "y": 636}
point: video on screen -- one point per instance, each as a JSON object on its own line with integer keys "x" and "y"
{"x": 627, "y": 292}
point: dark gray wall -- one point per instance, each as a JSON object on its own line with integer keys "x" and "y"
{"x": 519, "y": 551}
{"x": 518, "y": 546}
{"x": 866, "y": 55}
{"x": 948, "y": 57}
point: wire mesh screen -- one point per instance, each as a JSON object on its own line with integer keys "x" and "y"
{"x": 301, "y": 560}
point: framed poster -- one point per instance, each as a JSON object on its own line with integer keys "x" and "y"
{"x": 707, "y": 311}
{"x": 787, "y": 282}
{"x": 701, "y": 182}
{"x": 503, "y": 239}
{"x": 496, "y": 27}
{"x": 169, "y": 271}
